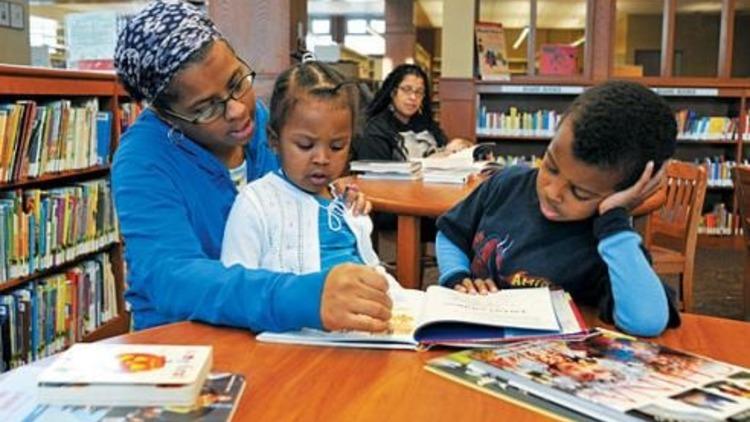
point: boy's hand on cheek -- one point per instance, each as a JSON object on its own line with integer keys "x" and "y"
{"x": 355, "y": 297}
{"x": 634, "y": 195}
{"x": 476, "y": 286}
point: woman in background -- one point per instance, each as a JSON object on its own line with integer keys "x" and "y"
{"x": 400, "y": 125}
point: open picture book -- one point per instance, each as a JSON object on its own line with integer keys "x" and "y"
{"x": 445, "y": 316}
{"x": 605, "y": 376}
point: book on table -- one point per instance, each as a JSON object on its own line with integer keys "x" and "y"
{"x": 604, "y": 376}
{"x": 125, "y": 375}
{"x": 447, "y": 317}
{"x": 387, "y": 170}
{"x": 217, "y": 402}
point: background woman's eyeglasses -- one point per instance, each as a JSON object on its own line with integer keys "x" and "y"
{"x": 408, "y": 91}
{"x": 217, "y": 108}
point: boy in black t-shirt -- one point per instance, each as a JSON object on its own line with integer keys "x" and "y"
{"x": 568, "y": 223}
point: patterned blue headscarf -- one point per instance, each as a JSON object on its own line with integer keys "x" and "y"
{"x": 156, "y": 42}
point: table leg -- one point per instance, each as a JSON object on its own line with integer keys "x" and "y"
{"x": 408, "y": 251}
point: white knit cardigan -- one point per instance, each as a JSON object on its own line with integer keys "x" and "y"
{"x": 273, "y": 225}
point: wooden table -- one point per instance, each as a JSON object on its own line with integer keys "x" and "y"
{"x": 332, "y": 384}
{"x": 412, "y": 200}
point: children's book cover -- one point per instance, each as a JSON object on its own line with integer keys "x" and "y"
{"x": 611, "y": 376}
{"x": 129, "y": 364}
{"x": 558, "y": 59}
{"x": 491, "y": 51}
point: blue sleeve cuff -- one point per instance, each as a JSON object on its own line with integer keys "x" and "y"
{"x": 613, "y": 221}
{"x": 453, "y": 264}
{"x": 304, "y": 294}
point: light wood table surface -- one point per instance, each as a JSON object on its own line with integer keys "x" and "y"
{"x": 286, "y": 382}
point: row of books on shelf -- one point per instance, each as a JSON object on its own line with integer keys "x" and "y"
{"x": 539, "y": 123}
{"x": 42, "y": 228}
{"x": 719, "y": 171}
{"x": 49, "y": 314}
{"x": 37, "y": 138}
{"x": 693, "y": 126}
{"x": 720, "y": 222}
{"x": 542, "y": 123}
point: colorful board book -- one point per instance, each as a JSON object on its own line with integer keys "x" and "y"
{"x": 605, "y": 376}
{"x": 447, "y": 317}
{"x": 125, "y": 375}
{"x": 491, "y": 51}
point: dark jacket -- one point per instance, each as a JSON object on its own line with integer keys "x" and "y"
{"x": 381, "y": 139}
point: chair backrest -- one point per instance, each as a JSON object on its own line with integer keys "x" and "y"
{"x": 742, "y": 189}
{"x": 675, "y": 224}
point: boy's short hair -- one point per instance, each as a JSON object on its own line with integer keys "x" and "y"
{"x": 622, "y": 126}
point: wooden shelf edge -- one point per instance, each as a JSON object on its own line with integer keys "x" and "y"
{"x": 117, "y": 326}
{"x": 56, "y": 177}
{"x": 13, "y": 283}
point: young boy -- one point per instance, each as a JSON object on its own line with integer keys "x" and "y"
{"x": 568, "y": 222}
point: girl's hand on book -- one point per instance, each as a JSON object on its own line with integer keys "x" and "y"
{"x": 476, "y": 286}
{"x": 355, "y": 297}
{"x": 633, "y": 196}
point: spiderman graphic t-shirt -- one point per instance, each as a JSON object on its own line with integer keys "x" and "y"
{"x": 501, "y": 229}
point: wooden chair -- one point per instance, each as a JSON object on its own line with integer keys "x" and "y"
{"x": 741, "y": 178}
{"x": 672, "y": 231}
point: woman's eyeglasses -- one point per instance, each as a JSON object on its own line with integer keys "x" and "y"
{"x": 409, "y": 91}
{"x": 217, "y": 108}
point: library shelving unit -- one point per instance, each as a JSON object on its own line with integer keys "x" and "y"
{"x": 520, "y": 116}
{"x": 87, "y": 234}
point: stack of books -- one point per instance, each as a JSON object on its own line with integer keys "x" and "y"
{"x": 455, "y": 168}
{"x": 387, "y": 170}
{"x": 126, "y": 375}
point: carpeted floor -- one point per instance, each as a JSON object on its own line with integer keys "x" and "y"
{"x": 717, "y": 285}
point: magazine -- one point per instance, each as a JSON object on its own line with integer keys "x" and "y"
{"x": 217, "y": 402}
{"x": 445, "y": 316}
{"x": 611, "y": 376}
{"x": 125, "y": 375}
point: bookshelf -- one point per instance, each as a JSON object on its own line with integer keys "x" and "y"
{"x": 520, "y": 116}
{"x": 62, "y": 277}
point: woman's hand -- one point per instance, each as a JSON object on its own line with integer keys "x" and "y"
{"x": 355, "y": 297}
{"x": 633, "y": 196}
{"x": 476, "y": 286}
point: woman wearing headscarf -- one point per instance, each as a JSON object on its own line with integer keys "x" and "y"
{"x": 175, "y": 176}
{"x": 400, "y": 125}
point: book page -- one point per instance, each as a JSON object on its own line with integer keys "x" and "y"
{"x": 517, "y": 308}
{"x": 407, "y": 306}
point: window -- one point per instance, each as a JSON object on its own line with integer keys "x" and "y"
{"x": 378, "y": 25}
{"x": 371, "y": 45}
{"x": 42, "y": 31}
{"x": 514, "y": 16}
{"x": 321, "y": 26}
{"x": 356, "y": 26}
{"x": 696, "y": 38}
{"x": 560, "y": 37}
{"x": 638, "y": 26}
{"x": 740, "y": 58}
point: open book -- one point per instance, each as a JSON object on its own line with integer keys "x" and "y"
{"x": 445, "y": 316}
